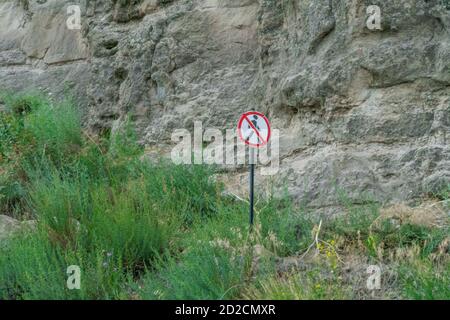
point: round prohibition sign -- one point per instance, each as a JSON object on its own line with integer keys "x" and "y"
{"x": 254, "y": 129}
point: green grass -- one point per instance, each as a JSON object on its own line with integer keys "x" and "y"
{"x": 213, "y": 273}
{"x": 154, "y": 230}
{"x": 33, "y": 131}
{"x": 97, "y": 205}
{"x": 309, "y": 285}
{"x": 422, "y": 280}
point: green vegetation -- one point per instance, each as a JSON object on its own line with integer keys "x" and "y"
{"x": 153, "y": 230}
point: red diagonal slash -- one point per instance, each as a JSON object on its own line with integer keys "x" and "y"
{"x": 256, "y": 130}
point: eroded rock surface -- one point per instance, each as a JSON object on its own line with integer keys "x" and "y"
{"x": 365, "y": 112}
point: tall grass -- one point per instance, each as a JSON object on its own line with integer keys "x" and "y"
{"x": 423, "y": 280}
{"x": 34, "y": 131}
{"x": 97, "y": 205}
{"x": 204, "y": 272}
{"x": 306, "y": 286}
{"x": 154, "y": 230}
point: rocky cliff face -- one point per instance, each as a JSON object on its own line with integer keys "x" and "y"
{"x": 361, "y": 111}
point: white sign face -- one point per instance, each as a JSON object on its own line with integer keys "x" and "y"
{"x": 254, "y": 129}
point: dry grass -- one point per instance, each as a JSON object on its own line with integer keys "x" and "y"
{"x": 343, "y": 262}
{"x": 431, "y": 214}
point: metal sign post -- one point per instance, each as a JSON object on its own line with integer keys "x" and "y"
{"x": 253, "y": 130}
{"x": 252, "y": 184}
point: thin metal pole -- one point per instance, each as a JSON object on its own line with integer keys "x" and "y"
{"x": 252, "y": 185}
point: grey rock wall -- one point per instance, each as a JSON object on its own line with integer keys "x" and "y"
{"x": 362, "y": 112}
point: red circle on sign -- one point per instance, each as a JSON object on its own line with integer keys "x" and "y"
{"x": 245, "y": 117}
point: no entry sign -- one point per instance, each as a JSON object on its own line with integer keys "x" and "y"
{"x": 254, "y": 129}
